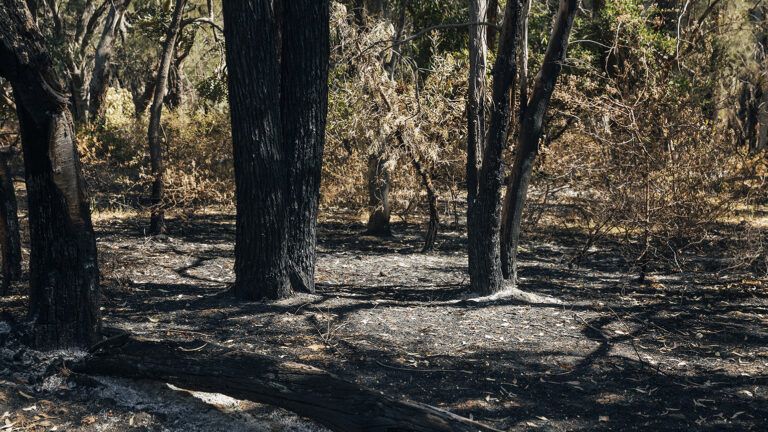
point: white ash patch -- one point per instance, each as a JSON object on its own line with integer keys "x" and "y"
{"x": 178, "y": 410}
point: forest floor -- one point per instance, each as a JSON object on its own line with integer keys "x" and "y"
{"x": 681, "y": 351}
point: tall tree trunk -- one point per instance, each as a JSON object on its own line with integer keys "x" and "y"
{"x": 493, "y": 18}
{"x": 10, "y": 240}
{"x": 102, "y": 70}
{"x": 157, "y": 220}
{"x": 64, "y": 275}
{"x": 485, "y": 214}
{"x": 484, "y": 247}
{"x": 378, "y": 197}
{"x": 261, "y": 174}
{"x": 304, "y": 103}
{"x": 530, "y": 135}
{"x": 475, "y": 106}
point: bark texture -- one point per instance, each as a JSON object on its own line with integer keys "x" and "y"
{"x": 304, "y": 104}
{"x": 306, "y": 390}
{"x": 476, "y": 100}
{"x": 493, "y": 18}
{"x": 64, "y": 286}
{"x": 530, "y": 135}
{"x": 157, "y": 218}
{"x": 10, "y": 240}
{"x": 485, "y": 215}
{"x": 261, "y": 172}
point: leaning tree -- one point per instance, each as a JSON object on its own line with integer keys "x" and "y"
{"x": 64, "y": 274}
{"x": 277, "y": 60}
{"x": 532, "y": 111}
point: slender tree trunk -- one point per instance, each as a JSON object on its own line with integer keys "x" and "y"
{"x": 530, "y": 135}
{"x": 523, "y": 70}
{"x": 762, "y": 120}
{"x": 141, "y": 92}
{"x": 10, "y": 240}
{"x": 304, "y": 102}
{"x": 261, "y": 188}
{"x": 493, "y": 18}
{"x": 64, "y": 284}
{"x": 175, "y": 96}
{"x": 157, "y": 220}
{"x": 102, "y": 70}
{"x": 475, "y": 106}
{"x": 434, "y": 215}
{"x": 378, "y": 197}
{"x": 78, "y": 96}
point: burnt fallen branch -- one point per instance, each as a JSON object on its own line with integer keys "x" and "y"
{"x": 303, "y": 389}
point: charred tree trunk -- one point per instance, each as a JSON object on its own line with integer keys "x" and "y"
{"x": 304, "y": 105}
{"x": 485, "y": 214}
{"x": 434, "y": 215}
{"x": 102, "y": 70}
{"x": 261, "y": 173}
{"x": 278, "y": 90}
{"x": 175, "y": 96}
{"x": 359, "y": 13}
{"x": 157, "y": 219}
{"x": 530, "y": 135}
{"x": 64, "y": 275}
{"x": 306, "y": 390}
{"x": 762, "y": 121}
{"x": 141, "y": 92}
{"x": 378, "y": 197}
{"x": 10, "y": 240}
{"x": 493, "y": 18}
{"x": 475, "y": 107}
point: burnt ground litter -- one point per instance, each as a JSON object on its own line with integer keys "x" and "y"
{"x": 679, "y": 351}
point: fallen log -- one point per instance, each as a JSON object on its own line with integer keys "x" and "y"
{"x": 306, "y": 390}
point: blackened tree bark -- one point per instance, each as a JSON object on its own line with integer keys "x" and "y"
{"x": 102, "y": 70}
{"x": 142, "y": 91}
{"x": 157, "y": 219}
{"x": 10, "y": 240}
{"x": 64, "y": 285}
{"x": 261, "y": 172}
{"x": 475, "y": 104}
{"x": 493, "y": 18}
{"x": 485, "y": 214}
{"x": 175, "y": 94}
{"x": 304, "y": 105}
{"x": 530, "y": 135}
{"x": 378, "y": 197}
{"x": 278, "y": 93}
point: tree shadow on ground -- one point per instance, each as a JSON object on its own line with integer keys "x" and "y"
{"x": 685, "y": 353}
